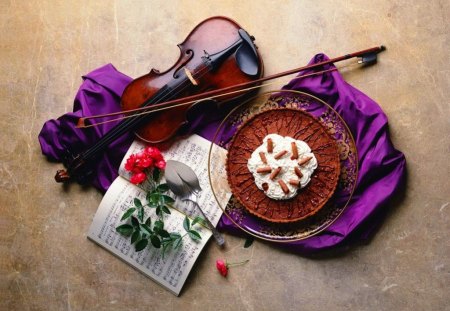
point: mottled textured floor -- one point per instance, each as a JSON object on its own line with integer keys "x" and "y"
{"x": 46, "y": 262}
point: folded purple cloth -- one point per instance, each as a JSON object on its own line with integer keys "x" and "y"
{"x": 100, "y": 93}
{"x": 381, "y": 168}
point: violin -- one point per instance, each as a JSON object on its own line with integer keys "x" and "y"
{"x": 217, "y": 53}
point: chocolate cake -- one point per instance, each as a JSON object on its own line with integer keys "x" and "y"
{"x": 255, "y": 135}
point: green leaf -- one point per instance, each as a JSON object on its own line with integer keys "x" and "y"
{"x": 199, "y": 220}
{"x": 137, "y": 202}
{"x": 141, "y": 214}
{"x": 167, "y": 199}
{"x": 164, "y": 249}
{"x": 169, "y": 206}
{"x": 165, "y": 209}
{"x": 136, "y": 236}
{"x": 166, "y": 241}
{"x": 248, "y": 242}
{"x": 159, "y": 224}
{"x": 175, "y": 235}
{"x": 194, "y": 235}
{"x": 147, "y": 197}
{"x": 178, "y": 242}
{"x": 156, "y": 242}
{"x": 153, "y": 199}
{"x": 134, "y": 222}
{"x": 186, "y": 224}
{"x": 164, "y": 233}
{"x": 163, "y": 188}
{"x": 128, "y": 213}
{"x": 141, "y": 245}
{"x": 146, "y": 229}
{"x": 158, "y": 211}
{"x": 125, "y": 229}
{"x": 148, "y": 222}
{"x": 156, "y": 174}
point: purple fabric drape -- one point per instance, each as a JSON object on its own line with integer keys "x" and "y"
{"x": 100, "y": 93}
{"x": 381, "y": 169}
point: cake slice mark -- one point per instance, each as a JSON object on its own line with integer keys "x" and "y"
{"x": 322, "y": 147}
{"x": 290, "y": 209}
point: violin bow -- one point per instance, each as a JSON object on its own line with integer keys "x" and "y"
{"x": 367, "y": 57}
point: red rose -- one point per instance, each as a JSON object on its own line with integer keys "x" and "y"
{"x": 222, "y": 267}
{"x": 161, "y": 164}
{"x": 153, "y": 153}
{"x": 138, "y": 178}
{"x": 132, "y": 164}
{"x": 144, "y": 161}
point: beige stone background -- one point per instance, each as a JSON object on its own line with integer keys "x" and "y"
{"x": 46, "y": 262}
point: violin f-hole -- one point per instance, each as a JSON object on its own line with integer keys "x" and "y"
{"x": 184, "y": 59}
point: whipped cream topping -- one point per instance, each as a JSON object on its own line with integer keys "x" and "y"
{"x": 288, "y": 165}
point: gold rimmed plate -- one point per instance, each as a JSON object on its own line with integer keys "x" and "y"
{"x": 336, "y": 126}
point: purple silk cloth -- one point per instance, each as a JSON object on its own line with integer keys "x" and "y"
{"x": 381, "y": 168}
{"x": 100, "y": 93}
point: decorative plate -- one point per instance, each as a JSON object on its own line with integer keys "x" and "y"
{"x": 287, "y": 232}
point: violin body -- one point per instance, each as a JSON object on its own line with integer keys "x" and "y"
{"x": 208, "y": 38}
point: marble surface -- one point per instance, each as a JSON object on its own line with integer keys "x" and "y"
{"x": 46, "y": 262}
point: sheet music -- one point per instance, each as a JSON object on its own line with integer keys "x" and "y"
{"x": 193, "y": 151}
{"x": 172, "y": 271}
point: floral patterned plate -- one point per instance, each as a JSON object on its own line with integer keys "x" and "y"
{"x": 347, "y": 180}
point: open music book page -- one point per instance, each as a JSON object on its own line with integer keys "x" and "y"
{"x": 172, "y": 270}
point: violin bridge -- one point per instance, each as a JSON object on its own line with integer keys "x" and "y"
{"x": 190, "y": 76}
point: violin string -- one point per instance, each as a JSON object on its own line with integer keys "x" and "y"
{"x": 117, "y": 132}
{"x": 121, "y": 128}
{"x": 133, "y": 117}
{"x": 207, "y": 98}
{"x": 142, "y": 107}
{"x": 176, "y": 105}
{"x": 194, "y": 98}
